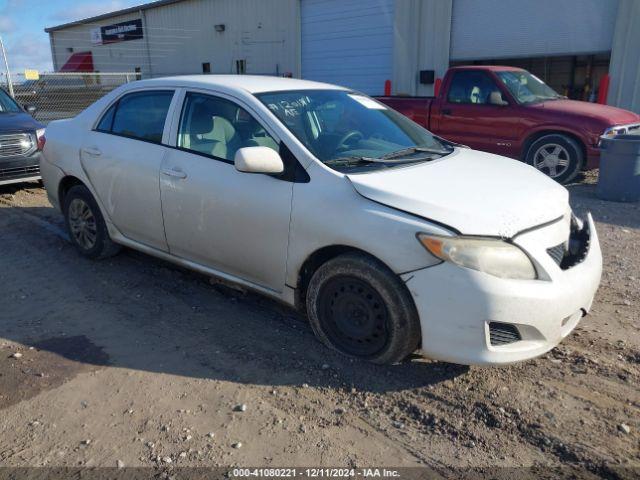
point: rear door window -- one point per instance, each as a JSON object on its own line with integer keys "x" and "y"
{"x": 139, "y": 115}
{"x": 107, "y": 120}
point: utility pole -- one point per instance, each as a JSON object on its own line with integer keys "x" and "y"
{"x": 6, "y": 66}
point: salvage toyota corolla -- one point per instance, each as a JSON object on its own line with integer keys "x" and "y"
{"x": 390, "y": 238}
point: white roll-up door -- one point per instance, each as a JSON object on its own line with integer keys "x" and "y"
{"x": 348, "y": 43}
{"x": 485, "y": 29}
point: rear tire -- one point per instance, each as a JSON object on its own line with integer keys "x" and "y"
{"x": 85, "y": 224}
{"x": 359, "y": 307}
{"x": 557, "y": 156}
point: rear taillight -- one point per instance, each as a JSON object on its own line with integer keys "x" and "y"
{"x": 40, "y": 138}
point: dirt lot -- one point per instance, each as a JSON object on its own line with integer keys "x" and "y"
{"x": 133, "y": 361}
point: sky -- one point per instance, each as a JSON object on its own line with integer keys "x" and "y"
{"x": 22, "y": 24}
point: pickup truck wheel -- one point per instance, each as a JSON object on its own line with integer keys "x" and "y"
{"x": 85, "y": 224}
{"x": 556, "y": 155}
{"x": 357, "y": 306}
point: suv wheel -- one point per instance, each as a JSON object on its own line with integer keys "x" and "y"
{"x": 357, "y": 306}
{"x": 85, "y": 224}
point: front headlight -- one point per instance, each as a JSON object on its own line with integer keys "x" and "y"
{"x": 494, "y": 257}
{"x": 613, "y": 131}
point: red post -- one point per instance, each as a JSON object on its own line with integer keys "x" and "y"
{"x": 387, "y": 88}
{"x": 603, "y": 89}
{"x": 436, "y": 86}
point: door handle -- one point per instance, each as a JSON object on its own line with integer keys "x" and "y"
{"x": 93, "y": 151}
{"x": 169, "y": 172}
{"x": 446, "y": 111}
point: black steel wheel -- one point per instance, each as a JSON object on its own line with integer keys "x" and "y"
{"x": 356, "y": 305}
{"x": 355, "y": 316}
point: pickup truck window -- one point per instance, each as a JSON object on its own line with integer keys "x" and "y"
{"x": 527, "y": 88}
{"x": 342, "y": 127}
{"x": 471, "y": 87}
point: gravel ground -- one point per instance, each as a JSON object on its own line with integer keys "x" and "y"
{"x": 136, "y": 362}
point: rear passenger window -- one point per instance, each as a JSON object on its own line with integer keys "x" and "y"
{"x": 141, "y": 115}
{"x": 107, "y": 120}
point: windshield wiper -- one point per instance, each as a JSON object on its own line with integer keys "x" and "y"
{"x": 367, "y": 160}
{"x": 410, "y": 150}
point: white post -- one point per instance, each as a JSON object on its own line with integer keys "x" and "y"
{"x": 6, "y": 66}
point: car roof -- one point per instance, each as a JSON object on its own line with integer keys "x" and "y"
{"x": 238, "y": 83}
{"x": 492, "y": 68}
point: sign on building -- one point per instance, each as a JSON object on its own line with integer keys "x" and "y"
{"x": 119, "y": 32}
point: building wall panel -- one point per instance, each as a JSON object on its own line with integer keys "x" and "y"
{"x": 348, "y": 43}
{"x": 181, "y": 36}
{"x": 422, "y": 31}
{"x": 624, "y": 90}
{"x": 498, "y": 29}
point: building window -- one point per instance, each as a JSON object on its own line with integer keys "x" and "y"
{"x": 241, "y": 66}
{"x": 138, "y": 71}
{"x": 206, "y": 67}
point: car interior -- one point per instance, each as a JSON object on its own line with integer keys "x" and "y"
{"x": 218, "y": 128}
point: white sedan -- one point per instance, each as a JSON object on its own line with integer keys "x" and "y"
{"x": 390, "y": 238}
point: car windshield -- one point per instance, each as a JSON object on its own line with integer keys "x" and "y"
{"x": 7, "y": 104}
{"x": 347, "y": 130}
{"x": 527, "y": 88}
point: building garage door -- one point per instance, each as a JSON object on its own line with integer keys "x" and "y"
{"x": 526, "y": 28}
{"x": 348, "y": 43}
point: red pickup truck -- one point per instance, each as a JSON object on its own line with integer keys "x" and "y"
{"x": 510, "y": 112}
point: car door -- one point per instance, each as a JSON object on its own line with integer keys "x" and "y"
{"x": 468, "y": 116}
{"x": 122, "y": 156}
{"x": 234, "y": 222}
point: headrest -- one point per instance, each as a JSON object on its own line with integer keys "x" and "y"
{"x": 223, "y": 129}
{"x": 201, "y": 120}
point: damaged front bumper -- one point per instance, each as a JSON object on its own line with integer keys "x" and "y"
{"x": 470, "y": 317}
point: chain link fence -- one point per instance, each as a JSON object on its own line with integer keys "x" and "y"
{"x": 63, "y": 95}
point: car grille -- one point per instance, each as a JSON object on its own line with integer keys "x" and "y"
{"x": 19, "y": 172}
{"x": 503, "y": 333}
{"x": 16, "y": 144}
{"x": 557, "y": 253}
{"x": 579, "y": 242}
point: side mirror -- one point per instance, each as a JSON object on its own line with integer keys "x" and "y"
{"x": 258, "y": 160}
{"x": 495, "y": 98}
{"x": 31, "y": 109}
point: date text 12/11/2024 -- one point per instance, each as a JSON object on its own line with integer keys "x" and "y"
{"x": 314, "y": 473}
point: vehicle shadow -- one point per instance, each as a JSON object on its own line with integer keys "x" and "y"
{"x": 137, "y": 312}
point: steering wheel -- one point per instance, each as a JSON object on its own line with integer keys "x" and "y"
{"x": 348, "y": 138}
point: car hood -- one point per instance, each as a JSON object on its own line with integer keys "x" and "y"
{"x": 603, "y": 113}
{"x": 473, "y": 192}
{"x": 18, "y": 122}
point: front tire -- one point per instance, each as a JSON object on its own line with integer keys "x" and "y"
{"x": 85, "y": 224}
{"x": 359, "y": 307}
{"x": 557, "y": 156}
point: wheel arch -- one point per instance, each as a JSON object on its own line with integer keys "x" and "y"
{"x": 318, "y": 258}
{"x": 554, "y": 131}
{"x": 66, "y": 183}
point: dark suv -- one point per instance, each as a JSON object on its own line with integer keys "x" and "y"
{"x": 21, "y": 142}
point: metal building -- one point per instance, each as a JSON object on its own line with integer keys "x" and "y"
{"x": 571, "y": 44}
{"x": 168, "y": 37}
